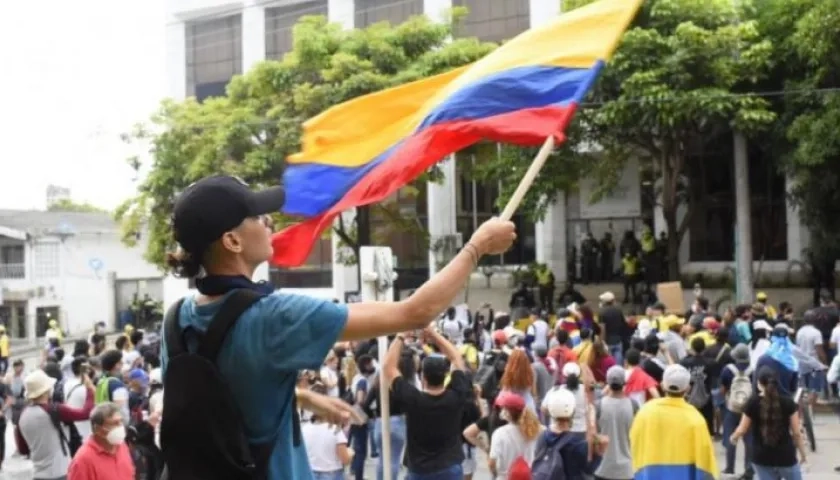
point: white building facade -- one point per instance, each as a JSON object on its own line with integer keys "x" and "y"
{"x": 69, "y": 267}
{"x": 210, "y": 41}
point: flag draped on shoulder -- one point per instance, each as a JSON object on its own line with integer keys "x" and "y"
{"x": 364, "y": 150}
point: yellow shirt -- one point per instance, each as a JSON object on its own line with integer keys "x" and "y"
{"x": 4, "y": 346}
{"x": 707, "y": 337}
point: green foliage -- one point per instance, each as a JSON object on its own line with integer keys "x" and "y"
{"x": 807, "y": 59}
{"x": 250, "y": 131}
{"x": 66, "y": 205}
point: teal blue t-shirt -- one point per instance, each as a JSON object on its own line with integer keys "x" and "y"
{"x": 274, "y": 339}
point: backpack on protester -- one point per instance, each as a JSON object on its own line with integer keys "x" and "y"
{"x": 102, "y": 394}
{"x": 548, "y": 461}
{"x": 698, "y": 394}
{"x": 202, "y": 434}
{"x": 740, "y": 391}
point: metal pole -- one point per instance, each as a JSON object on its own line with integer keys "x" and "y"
{"x": 474, "y": 199}
{"x": 743, "y": 222}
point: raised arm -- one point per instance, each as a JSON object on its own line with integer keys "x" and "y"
{"x": 374, "y": 319}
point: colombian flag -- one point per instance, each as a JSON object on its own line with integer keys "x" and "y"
{"x": 362, "y": 151}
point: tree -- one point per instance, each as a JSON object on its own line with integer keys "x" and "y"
{"x": 671, "y": 86}
{"x": 806, "y": 65}
{"x": 252, "y": 129}
{"x": 67, "y": 205}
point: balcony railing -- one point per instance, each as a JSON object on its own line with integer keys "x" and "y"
{"x": 12, "y": 271}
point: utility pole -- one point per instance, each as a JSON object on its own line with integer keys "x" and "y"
{"x": 743, "y": 222}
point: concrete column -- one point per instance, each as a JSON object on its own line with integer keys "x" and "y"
{"x": 437, "y": 10}
{"x": 550, "y": 235}
{"x": 253, "y": 33}
{"x": 442, "y": 208}
{"x": 176, "y": 58}
{"x": 796, "y": 237}
{"x": 342, "y": 12}
{"x": 344, "y": 277}
{"x": 441, "y": 197}
{"x": 550, "y": 232}
{"x": 542, "y": 11}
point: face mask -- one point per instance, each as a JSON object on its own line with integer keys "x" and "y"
{"x": 116, "y": 436}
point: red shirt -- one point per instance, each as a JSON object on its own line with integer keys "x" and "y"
{"x": 92, "y": 462}
{"x": 638, "y": 384}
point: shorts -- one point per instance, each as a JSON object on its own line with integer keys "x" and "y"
{"x": 469, "y": 459}
{"x": 814, "y": 381}
{"x": 718, "y": 399}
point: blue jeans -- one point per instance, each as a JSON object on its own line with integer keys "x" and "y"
{"x": 814, "y": 381}
{"x": 374, "y": 448}
{"x": 359, "y": 443}
{"x": 778, "y": 473}
{"x": 617, "y": 352}
{"x": 455, "y": 472}
{"x": 397, "y": 424}
{"x": 336, "y": 475}
{"x": 730, "y": 423}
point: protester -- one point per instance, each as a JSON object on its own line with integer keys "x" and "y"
{"x": 224, "y": 233}
{"x": 669, "y": 438}
{"x": 434, "y": 450}
{"x": 104, "y": 455}
{"x": 774, "y": 417}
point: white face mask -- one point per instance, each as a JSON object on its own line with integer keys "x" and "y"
{"x": 116, "y": 436}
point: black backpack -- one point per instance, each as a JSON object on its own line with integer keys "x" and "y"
{"x": 202, "y": 434}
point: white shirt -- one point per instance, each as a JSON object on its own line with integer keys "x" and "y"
{"x": 156, "y": 405}
{"x": 835, "y": 336}
{"x": 322, "y": 443}
{"x": 452, "y": 329}
{"x": 539, "y": 329}
{"x": 506, "y": 445}
{"x": 330, "y": 377}
{"x": 75, "y": 395}
{"x": 807, "y": 339}
{"x": 760, "y": 349}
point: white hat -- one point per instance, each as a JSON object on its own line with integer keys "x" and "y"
{"x": 38, "y": 383}
{"x": 571, "y": 369}
{"x": 676, "y": 378}
{"x": 607, "y": 297}
{"x": 762, "y": 325}
{"x": 560, "y": 403}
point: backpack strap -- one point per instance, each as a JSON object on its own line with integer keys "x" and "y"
{"x": 232, "y": 308}
{"x": 172, "y": 332}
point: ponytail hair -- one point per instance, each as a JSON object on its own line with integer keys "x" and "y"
{"x": 773, "y": 426}
{"x": 573, "y": 382}
{"x": 183, "y": 264}
{"x": 527, "y": 422}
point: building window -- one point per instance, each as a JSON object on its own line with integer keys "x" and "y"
{"x": 712, "y": 228}
{"x": 494, "y": 20}
{"x": 369, "y": 12}
{"x": 12, "y": 261}
{"x": 47, "y": 260}
{"x": 476, "y": 203}
{"x": 214, "y": 55}
{"x": 280, "y": 21}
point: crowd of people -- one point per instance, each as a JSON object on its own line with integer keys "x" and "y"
{"x": 277, "y": 386}
{"x": 91, "y": 412}
{"x": 587, "y": 393}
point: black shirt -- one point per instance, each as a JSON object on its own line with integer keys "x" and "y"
{"x": 434, "y": 439}
{"x": 719, "y": 356}
{"x": 614, "y": 324}
{"x": 652, "y": 368}
{"x": 371, "y": 405}
{"x": 699, "y": 367}
{"x": 783, "y": 453}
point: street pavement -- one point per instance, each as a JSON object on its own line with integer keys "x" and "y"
{"x": 820, "y": 465}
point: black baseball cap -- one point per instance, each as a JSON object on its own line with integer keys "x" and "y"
{"x": 212, "y": 206}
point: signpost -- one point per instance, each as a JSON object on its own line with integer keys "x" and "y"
{"x": 378, "y": 276}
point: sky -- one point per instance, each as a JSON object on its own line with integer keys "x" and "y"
{"x": 76, "y": 74}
